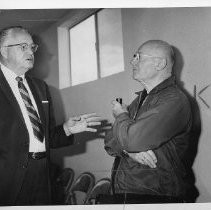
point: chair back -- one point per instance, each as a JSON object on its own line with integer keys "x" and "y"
{"x": 84, "y": 183}
{"x": 65, "y": 179}
{"x": 102, "y": 187}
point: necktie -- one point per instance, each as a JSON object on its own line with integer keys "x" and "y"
{"x": 141, "y": 100}
{"x": 33, "y": 116}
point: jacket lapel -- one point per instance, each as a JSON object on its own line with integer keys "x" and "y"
{"x": 4, "y": 86}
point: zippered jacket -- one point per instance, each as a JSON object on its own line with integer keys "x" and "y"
{"x": 162, "y": 124}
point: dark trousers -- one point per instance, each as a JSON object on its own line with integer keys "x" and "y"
{"x": 130, "y": 198}
{"x": 35, "y": 188}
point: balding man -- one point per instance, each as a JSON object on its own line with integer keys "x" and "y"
{"x": 150, "y": 137}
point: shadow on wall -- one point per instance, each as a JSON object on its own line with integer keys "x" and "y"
{"x": 42, "y": 56}
{"x": 58, "y": 105}
{"x": 41, "y": 70}
{"x": 190, "y": 156}
{"x": 79, "y": 147}
{"x": 81, "y": 140}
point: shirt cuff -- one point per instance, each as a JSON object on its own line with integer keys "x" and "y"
{"x": 66, "y": 130}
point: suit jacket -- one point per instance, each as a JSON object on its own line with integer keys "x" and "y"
{"x": 14, "y": 137}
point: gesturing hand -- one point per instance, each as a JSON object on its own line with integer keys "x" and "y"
{"x": 82, "y": 123}
{"x": 145, "y": 158}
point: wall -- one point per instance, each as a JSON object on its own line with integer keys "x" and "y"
{"x": 188, "y": 30}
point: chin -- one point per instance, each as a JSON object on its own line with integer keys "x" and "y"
{"x": 135, "y": 76}
{"x": 29, "y": 66}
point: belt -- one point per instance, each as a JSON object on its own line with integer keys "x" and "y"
{"x": 36, "y": 155}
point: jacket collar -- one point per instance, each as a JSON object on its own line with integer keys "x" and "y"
{"x": 166, "y": 83}
{"x": 4, "y": 86}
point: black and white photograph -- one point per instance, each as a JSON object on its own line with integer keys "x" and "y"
{"x": 105, "y": 106}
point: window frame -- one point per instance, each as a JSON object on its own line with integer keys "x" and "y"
{"x": 63, "y": 30}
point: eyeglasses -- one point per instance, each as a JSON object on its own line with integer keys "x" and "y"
{"x": 138, "y": 57}
{"x": 24, "y": 46}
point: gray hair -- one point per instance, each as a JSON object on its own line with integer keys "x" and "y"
{"x": 5, "y": 32}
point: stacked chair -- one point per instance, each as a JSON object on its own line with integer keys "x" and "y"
{"x": 66, "y": 178}
{"x": 80, "y": 188}
{"x": 63, "y": 183}
{"x": 102, "y": 187}
{"x": 82, "y": 191}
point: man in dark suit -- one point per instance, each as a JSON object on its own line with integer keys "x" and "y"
{"x": 27, "y": 125}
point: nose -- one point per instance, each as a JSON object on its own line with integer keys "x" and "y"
{"x": 133, "y": 62}
{"x": 30, "y": 50}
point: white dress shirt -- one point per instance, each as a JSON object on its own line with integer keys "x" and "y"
{"x": 34, "y": 144}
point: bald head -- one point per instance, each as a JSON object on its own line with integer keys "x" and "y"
{"x": 153, "y": 63}
{"x": 159, "y": 48}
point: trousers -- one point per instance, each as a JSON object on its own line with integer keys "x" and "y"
{"x": 131, "y": 198}
{"x": 35, "y": 187}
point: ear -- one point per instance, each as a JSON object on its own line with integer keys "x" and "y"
{"x": 3, "y": 51}
{"x": 160, "y": 63}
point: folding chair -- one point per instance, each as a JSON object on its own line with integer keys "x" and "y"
{"x": 80, "y": 188}
{"x": 102, "y": 187}
{"x": 63, "y": 183}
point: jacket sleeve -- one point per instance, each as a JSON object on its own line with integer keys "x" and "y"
{"x": 111, "y": 145}
{"x": 168, "y": 117}
{"x": 57, "y": 136}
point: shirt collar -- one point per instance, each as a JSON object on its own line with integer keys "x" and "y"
{"x": 166, "y": 83}
{"x": 9, "y": 74}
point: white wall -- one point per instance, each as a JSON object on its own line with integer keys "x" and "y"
{"x": 188, "y": 29}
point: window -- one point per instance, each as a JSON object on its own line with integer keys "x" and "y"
{"x": 110, "y": 42}
{"x": 95, "y": 48}
{"x": 83, "y": 57}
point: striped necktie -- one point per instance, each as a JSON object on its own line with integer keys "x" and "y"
{"x": 33, "y": 116}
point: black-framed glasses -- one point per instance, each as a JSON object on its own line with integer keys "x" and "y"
{"x": 24, "y": 46}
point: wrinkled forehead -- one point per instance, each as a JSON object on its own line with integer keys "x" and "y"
{"x": 19, "y": 36}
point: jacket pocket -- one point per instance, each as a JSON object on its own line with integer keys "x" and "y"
{"x": 138, "y": 178}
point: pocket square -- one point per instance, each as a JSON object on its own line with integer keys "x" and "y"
{"x": 45, "y": 102}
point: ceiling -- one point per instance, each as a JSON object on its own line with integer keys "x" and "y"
{"x": 35, "y": 20}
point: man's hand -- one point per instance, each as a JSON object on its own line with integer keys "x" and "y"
{"x": 145, "y": 158}
{"x": 118, "y": 109}
{"x": 81, "y": 123}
